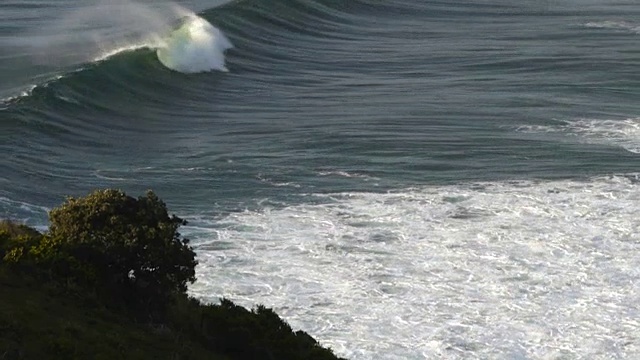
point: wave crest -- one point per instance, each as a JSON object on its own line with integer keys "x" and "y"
{"x": 196, "y": 46}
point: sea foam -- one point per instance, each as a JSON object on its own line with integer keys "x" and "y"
{"x": 195, "y": 46}
{"x": 614, "y": 25}
{"x": 503, "y": 270}
{"x": 623, "y": 133}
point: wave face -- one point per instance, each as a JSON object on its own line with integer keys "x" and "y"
{"x": 404, "y": 180}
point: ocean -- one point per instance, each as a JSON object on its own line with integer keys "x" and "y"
{"x": 409, "y": 179}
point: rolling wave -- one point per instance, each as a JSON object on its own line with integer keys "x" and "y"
{"x": 306, "y": 59}
{"x": 193, "y": 46}
{"x": 190, "y": 44}
{"x": 273, "y": 36}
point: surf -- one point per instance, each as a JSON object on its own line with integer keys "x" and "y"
{"x": 192, "y": 46}
{"x": 195, "y": 46}
{"x": 103, "y": 29}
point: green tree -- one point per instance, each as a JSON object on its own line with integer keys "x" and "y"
{"x": 16, "y": 240}
{"x": 126, "y": 247}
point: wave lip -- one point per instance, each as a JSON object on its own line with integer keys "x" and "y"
{"x": 196, "y": 46}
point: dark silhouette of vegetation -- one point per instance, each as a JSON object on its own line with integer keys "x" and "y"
{"x": 116, "y": 246}
{"x": 109, "y": 280}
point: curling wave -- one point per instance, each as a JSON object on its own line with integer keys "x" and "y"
{"x": 196, "y": 46}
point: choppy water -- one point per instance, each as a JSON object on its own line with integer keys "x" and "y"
{"x": 403, "y": 180}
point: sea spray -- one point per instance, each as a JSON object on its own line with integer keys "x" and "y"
{"x": 195, "y": 46}
{"x": 99, "y": 29}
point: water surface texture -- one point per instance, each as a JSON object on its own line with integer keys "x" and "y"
{"x": 412, "y": 179}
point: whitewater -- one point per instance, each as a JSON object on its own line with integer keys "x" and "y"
{"x": 511, "y": 270}
{"x": 192, "y": 46}
{"x": 196, "y": 46}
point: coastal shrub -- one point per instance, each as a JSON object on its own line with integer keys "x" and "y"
{"x": 59, "y": 346}
{"x": 256, "y": 334}
{"x": 16, "y": 240}
{"x": 124, "y": 247}
{"x": 13, "y": 229}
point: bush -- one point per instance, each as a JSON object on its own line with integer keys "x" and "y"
{"x": 16, "y": 240}
{"x": 123, "y": 247}
{"x": 14, "y": 229}
{"x": 256, "y": 334}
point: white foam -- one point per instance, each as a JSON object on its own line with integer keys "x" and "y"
{"x": 526, "y": 270}
{"x": 623, "y": 133}
{"x": 346, "y": 174}
{"x": 196, "y": 46}
{"x": 147, "y": 44}
{"x": 28, "y": 91}
{"x": 614, "y": 25}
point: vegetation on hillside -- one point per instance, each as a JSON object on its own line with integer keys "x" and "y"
{"x": 109, "y": 280}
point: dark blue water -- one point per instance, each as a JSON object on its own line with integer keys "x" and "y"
{"x": 322, "y": 97}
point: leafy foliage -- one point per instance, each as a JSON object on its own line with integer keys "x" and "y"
{"x": 243, "y": 334}
{"x": 131, "y": 247}
{"x": 123, "y": 249}
{"x": 16, "y": 240}
{"x": 257, "y": 334}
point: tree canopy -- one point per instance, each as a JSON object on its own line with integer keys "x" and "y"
{"x": 122, "y": 247}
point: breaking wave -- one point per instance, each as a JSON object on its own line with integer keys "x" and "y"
{"x": 196, "y": 46}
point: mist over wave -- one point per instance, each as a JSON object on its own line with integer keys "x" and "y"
{"x": 89, "y": 30}
{"x": 98, "y": 29}
{"x": 82, "y": 38}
